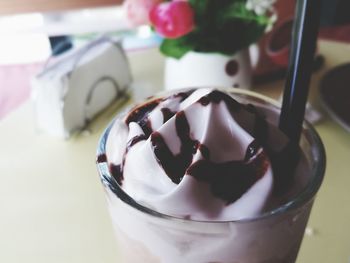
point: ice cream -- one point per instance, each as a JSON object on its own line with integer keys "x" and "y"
{"x": 196, "y": 154}
{"x": 201, "y": 176}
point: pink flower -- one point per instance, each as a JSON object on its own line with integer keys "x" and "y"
{"x": 138, "y": 10}
{"x": 172, "y": 19}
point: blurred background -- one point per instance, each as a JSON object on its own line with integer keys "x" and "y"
{"x": 32, "y": 32}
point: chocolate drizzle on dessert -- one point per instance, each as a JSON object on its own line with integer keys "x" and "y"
{"x": 140, "y": 113}
{"x": 283, "y": 162}
{"x": 217, "y": 96}
{"x": 227, "y": 180}
{"x": 204, "y": 151}
{"x": 183, "y": 95}
{"x": 175, "y": 165}
{"x": 135, "y": 140}
{"x": 117, "y": 173}
{"x": 129, "y": 145}
{"x": 260, "y": 131}
{"x": 102, "y": 158}
{"x": 167, "y": 114}
{"x": 140, "y": 116}
{"x": 115, "y": 170}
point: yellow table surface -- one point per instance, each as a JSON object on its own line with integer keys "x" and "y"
{"x": 52, "y": 206}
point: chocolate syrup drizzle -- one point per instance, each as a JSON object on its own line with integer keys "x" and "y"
{"x": 175, "y": 165}
{"x": 283, "y": 162}
{"x": 115, "y": 170}
{"x": 228, "y": 180}
{"x": 167, "y": 114}
{"x": 102, "y": 158}
{"x": 140, "y": 115}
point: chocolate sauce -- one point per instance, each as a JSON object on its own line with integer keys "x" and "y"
{"x": 166, "y": 159}
{"x": 115, "y": 170}
{"x": 260, "y": 130}
{"x": 135, "y": 140}
{"x": 217, "y": 96}
{"x": 167, "y": 114}
{"x": 227, "y": 180}
{"x": 204, "y": 151}
{"x": 175, "y": 165}
{"x": 140, "y": 112}
{"x": 102, "y": 158}
{"x": 129, "y": 145}
{"x": 117, "y": 173}
{"x": 140, "y": 115}
{"x": 183, "y": 95}
{"x": 283, "y": 162}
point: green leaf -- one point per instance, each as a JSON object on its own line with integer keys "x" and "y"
{"x": 221, "y": 26}
{"x": 238, "y": 10}
{"x": 200, "y": 7}
{"x": 176, "y": 48}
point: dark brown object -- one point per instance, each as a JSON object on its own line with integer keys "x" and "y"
{"x": 335, "y": 94}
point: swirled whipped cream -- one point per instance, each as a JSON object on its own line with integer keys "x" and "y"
{"x": 196, "y": 154}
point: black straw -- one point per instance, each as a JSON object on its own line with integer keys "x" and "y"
{"x": 296, "y": 91}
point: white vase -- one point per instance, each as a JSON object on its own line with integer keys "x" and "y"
{"x": 209, "y": 69}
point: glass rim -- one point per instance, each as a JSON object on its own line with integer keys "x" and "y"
{"x": 306, "y": 195}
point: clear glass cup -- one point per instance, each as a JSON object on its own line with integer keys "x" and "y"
{"x": 147, "y": 236}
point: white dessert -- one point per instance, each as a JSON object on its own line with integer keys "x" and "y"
{"x": 212, "y": 213}
{"x": 212, "y": 126}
